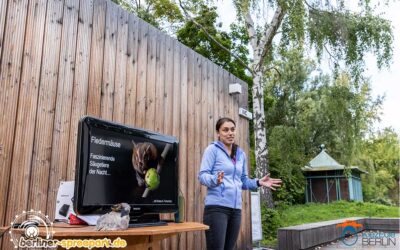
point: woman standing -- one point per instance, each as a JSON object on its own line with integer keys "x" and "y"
{"x": 224, "y": 172}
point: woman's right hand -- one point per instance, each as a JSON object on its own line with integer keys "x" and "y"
{"x": 220, "y": 177}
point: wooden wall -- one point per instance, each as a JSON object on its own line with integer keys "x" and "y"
{"x": 62, "y": 59}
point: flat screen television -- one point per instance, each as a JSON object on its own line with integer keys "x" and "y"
{"x": 118, "y": 163}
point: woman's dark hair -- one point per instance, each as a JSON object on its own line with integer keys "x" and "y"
{"x": 222, "y": 121}
{"x": 218, "y": 125}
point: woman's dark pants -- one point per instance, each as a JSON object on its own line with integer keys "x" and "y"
{"x": 224, "y": 223}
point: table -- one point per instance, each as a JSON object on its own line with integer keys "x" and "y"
{"x": 136, "y": 238}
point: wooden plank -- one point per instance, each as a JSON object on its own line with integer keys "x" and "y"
{"x": 295, "y": 239}
{"x": 323, "y": 234}
{"x": 303, "y": 240}
{"x": 190, "y": 159}
{"x": 169, "y": 84}
{"x": 241, "y": 243}
{"x": 183, "y": 134}
{"x": 282, "y": 239}
{"x": 26, "y": 114}
{"x": 167, "y": 103}
{"x": 46, "y": 106}
{"x": 227, "y": 110}
{"x": 215, "y": 84}
{"x": 176, "y": 105}
{"x": 176, "y": 111}
{"x": 131, "y": 71}
{"x": 150, "y": 95}
{"x": 246, "y": 142}
{"x": 198, "y": 202}
{"x": 210, "y": 96}
{"x": 160, "y": 84}
{"x": 120, "y": 67}
{"x": 204, "y": 131}
{"x": 3, "y": 15}
{"x": 221, "y": 101}
{"x": 34, "y": 191}
{"x": 64, "y": 230}
{"x": 142, "y": 74}
{"x": 96, "y": 58}
{"x": 110, "y": 50}
{"x": 61, "y": 129}
{"x": 210, "y": 103}
{"x": 10, "y": 75}
{"x": 81, "y": 79}
{"x": 245, "y": 204}
{"x": 233, "y": 100}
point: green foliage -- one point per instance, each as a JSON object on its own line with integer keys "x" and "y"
{"x": 326, "y": 27}
{"x": 383, "y": 201}
{"x": 314, "y": 212}
{"x": 350, "y": 36}
{"x": 197, "y": 38}
{"x": 271, "y": 221}
{"x": 155, "y": 12}
{"x": 194, "y": 37}
{"x": 305, "y": 112}
{"x": 285, "y": 158}
{"x": 381, "y": 154}
{"x": 293, "y": 28}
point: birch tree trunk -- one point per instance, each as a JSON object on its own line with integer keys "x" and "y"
{"x": 261, "y": 45}
{"x": 261, "y": 144}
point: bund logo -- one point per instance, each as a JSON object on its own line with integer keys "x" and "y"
{"x": 349, "y": 228}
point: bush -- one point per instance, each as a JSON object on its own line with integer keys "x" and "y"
{"x": 271, "y": 221}
{"x": 382, "y": 201}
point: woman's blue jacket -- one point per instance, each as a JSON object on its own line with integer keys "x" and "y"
{"x": 229, "y": 192}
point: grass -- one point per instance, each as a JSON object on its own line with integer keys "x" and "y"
{"x": 314, "y": 212}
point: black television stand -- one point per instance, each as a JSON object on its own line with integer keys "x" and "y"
{"x": 146, "y": 220}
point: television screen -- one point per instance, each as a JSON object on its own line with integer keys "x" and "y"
{"x": 118, "y": 163}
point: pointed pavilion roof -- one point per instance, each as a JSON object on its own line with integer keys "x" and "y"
{"x": 323, "y": 162}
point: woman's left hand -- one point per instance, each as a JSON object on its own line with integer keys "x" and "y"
{"x": 269, "y": 182}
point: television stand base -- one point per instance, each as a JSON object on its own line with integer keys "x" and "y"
{"x": 146, "y": 220}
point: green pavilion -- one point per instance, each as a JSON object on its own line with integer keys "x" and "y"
{"x": 327, "y": 182}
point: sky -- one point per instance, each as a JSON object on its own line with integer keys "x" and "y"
{"x": 387, "y": 81}
{"x": 383, "y": 82}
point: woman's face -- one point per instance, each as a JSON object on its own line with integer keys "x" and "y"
{"x": 226, "y": 133}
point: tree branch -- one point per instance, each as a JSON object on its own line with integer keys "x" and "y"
{"x": 266, "y": 40}
{"x": 309, "y": 6}
{"x": 188, "y": 17}
{"x": 332, "y": 56}
{"x": 274, "y": 68}
{"x": 250, "y": 29}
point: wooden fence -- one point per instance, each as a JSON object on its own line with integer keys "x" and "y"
{"x": 62, "y": 59}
